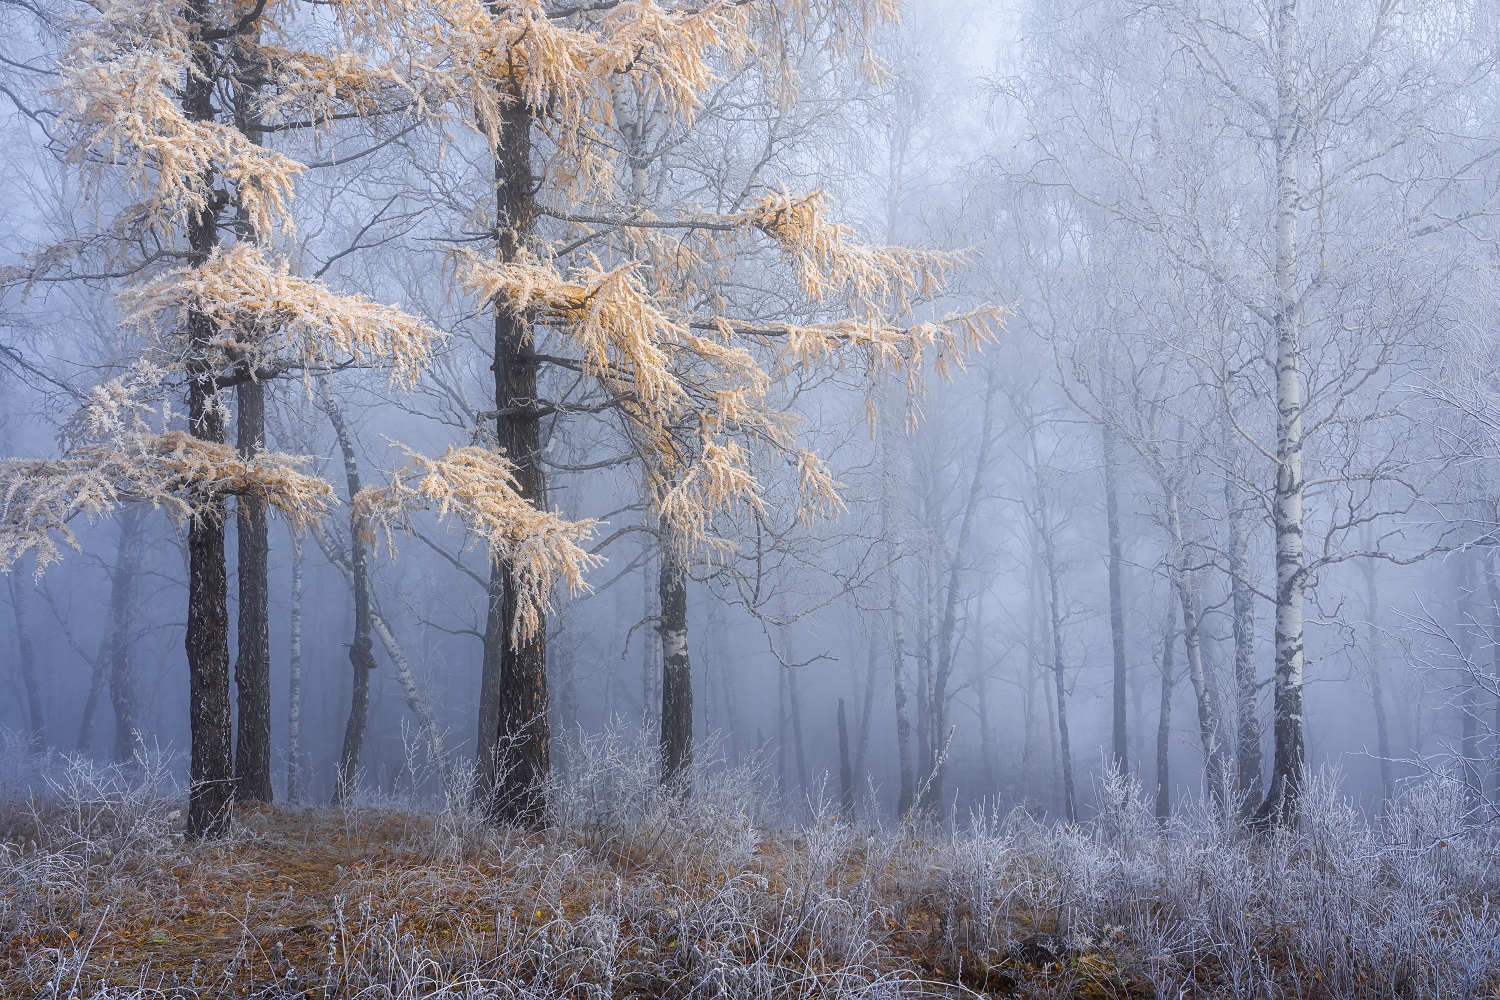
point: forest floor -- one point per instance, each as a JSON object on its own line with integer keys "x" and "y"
{"x": 627, "y": 894}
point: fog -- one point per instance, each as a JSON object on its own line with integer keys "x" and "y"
{"x": 1169, "y": 445}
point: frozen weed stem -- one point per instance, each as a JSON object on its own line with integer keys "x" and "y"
{"x": 633, "y": 893}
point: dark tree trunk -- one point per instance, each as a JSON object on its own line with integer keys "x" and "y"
{"x": 121, "y": 608}
{"x": 515, "y": 760}
{"x": 361, "y": 656}
{"x": 676, "y": 739}
{"x": 252, "y": 667}
{"x": 1120, "y": 742}
{"x": 846, "y": 768}
{"x": 211, "y": 788}
{"x": 1049, "y": 559}
{"x": 1164, "y": 719}
{"x": 35, "y": 713}
{"x": 1377, "y": 686}
{"x": 294, "y": 775}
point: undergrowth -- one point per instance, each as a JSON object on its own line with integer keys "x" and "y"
{"x": 628, "y": 893}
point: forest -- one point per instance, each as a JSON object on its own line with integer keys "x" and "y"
{"x": 790, "y": 499}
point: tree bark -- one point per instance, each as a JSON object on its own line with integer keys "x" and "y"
{"x": 945, "y": 643}
{"x": 676, "y": 740}
{"x": 515, "y": 758}
{"x": 1377, "y": 671}
{"x": 1164, "y": 718}
{"x": 1120, "y": 741}
{"x": 846, "y": 768}
{"x": 35, "y": 714}
{"x": 796, "y": 704}
{"x": 361, "y": 657}
{"x": 898, "y": 635}
{"x": 1289, "y": 760}
{"x": 211, "y": 788}
{"x": 252, "y": 667}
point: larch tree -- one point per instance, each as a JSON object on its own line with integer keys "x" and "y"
{"x": 585, "y": 282}
{"x": 172, "y": 104}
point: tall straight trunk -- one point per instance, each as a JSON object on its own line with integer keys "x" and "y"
{"x": 1187, "y": 596}
{"x": 1164, "y": 718}
{"x": 361, "y": 658}
{"x": 945, "y": 636}
{"x": 35, "y": 714}
{"x": 515, "y": 755}
{"x": 1247, "y": 762}
{"x": 898, "y": 633}
{"x": 211, "y": 768}
{"x": 122, "y": 690}
{"x": 294, "y": 776}
{"x": 846, "y": 768}
{"x": 252, "y": 667}
{"x": 1290, "y": 750}
{"x": 676, "y": 739}
{"x": 1119, "y": 744}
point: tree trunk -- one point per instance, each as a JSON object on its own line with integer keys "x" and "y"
{"x": 1164, "y": 719}
{"x": 294, "y": 776}
{"x": 36, "y": 716}
{"x": 515, "y": 760}
{"x": 676, "y": 739}
{"x": 945, "y": 642}
{"x": 650, "y": 661}
{"x": 211, "y": 787}
{"x": 1377, "y": 671}
{"x": 924, "y": 664}
{"x": 898, "y": 635}
{"x": 783, "y": 738}
{"x": 1120, "y": 741}
{"x": 361, "y": 659}
{"x": 846, "y": 768}
{"x": 1247, "y": 763}
{"x": 1208, "y": 722}
{"x": 1290, "y": 751}
{"x": 416, "y": 701}
{"x": 252, "y": 667}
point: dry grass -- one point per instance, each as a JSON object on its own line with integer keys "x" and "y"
{"x": 628, "y": 894}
